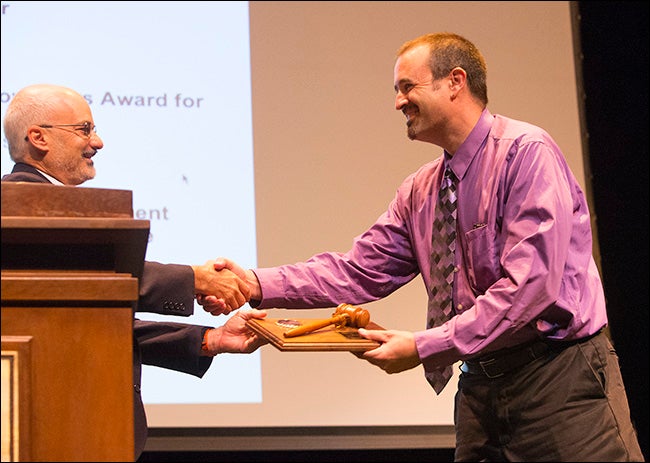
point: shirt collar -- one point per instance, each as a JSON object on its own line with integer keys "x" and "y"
{"x": 50, "y": 178}
{"x": 459, "y": 162}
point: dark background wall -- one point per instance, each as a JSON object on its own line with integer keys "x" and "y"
{"x": 614, "y": 38}
{"x": 614, "y": 41}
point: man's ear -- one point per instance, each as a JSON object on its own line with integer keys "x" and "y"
{"x": 458, "y": 77}
{"x": 457, "y": 80}
{"x": 36, "y": 136}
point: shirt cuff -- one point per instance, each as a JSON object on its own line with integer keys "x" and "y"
{"x": 435, "y": 348}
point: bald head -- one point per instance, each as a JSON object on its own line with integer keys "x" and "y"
{"x": 44, "y": 127}
{"x": 36, "y": 104}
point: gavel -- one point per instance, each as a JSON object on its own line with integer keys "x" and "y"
{"x": 345, "y": 315}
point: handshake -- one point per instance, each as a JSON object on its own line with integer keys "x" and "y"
{"x": 222, "y": 286}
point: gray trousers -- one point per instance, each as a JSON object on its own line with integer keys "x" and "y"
{"x": 569, "y": 405}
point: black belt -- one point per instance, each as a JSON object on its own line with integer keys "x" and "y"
{"x": 498, "y": 363}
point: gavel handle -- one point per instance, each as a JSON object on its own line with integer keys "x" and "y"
{"x": 308, "y": 328}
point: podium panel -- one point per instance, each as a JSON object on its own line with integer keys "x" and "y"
{"x": 79, "y": 396}
{"x": 71, "y": 259}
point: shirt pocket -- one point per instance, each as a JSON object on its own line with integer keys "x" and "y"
{"x": 483, "y": 267}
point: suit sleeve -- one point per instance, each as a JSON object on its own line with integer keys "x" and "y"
{"x": 167, "y": 289}
{"x": 174, "y": 346}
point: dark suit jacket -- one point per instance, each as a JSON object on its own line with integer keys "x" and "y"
{"x": 164, "y": 289}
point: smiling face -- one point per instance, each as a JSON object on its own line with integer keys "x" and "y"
{"x": 423, "y": 100}
{"x": 67, "y": 141}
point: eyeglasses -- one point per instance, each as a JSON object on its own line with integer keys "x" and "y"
{"x": 87, "y": 129}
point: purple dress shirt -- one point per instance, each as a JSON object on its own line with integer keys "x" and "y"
{"x": 524, "y": 249}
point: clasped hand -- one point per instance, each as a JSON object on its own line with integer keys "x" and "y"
{"x": 219, "y": 290}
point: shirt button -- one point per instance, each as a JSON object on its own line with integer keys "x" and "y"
{"x": 459, "y": 307}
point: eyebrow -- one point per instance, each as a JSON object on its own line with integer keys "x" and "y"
{"x": 401, "y": 82}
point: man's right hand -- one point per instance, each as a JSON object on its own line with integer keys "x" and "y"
{"x": 247, "y": 275}
{"x": 219, "y": 290}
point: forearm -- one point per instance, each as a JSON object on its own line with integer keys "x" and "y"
{"x": 174, "y": 346}
{"x": 166, "y": 289}
{"x": 254, "y": 286}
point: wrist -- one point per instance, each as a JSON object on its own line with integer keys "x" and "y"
{"x": 207, "y": 344}
{"x": 199, "y": 280}
{"x": 254, "y": 285}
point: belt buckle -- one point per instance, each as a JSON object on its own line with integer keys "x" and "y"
{"x": 485, "y": 367}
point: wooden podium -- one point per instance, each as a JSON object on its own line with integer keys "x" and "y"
{"x": 71, "y": 259}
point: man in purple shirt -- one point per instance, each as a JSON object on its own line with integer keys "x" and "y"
{"x": 540, "y": 380}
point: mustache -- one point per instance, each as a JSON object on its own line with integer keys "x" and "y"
{"x": 408, "y": 107}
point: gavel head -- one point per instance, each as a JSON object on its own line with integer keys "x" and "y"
{"x": 355, "y": 316}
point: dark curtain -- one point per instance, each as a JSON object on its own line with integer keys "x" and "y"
{"x": 614, "y": 37}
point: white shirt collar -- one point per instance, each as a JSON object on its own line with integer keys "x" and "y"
{"x": 50, "y": 178}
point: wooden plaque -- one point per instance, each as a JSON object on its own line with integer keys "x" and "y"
{"x": 329, "y": 338}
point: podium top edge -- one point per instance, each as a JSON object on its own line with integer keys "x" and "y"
{"x": 20, "y": 199}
